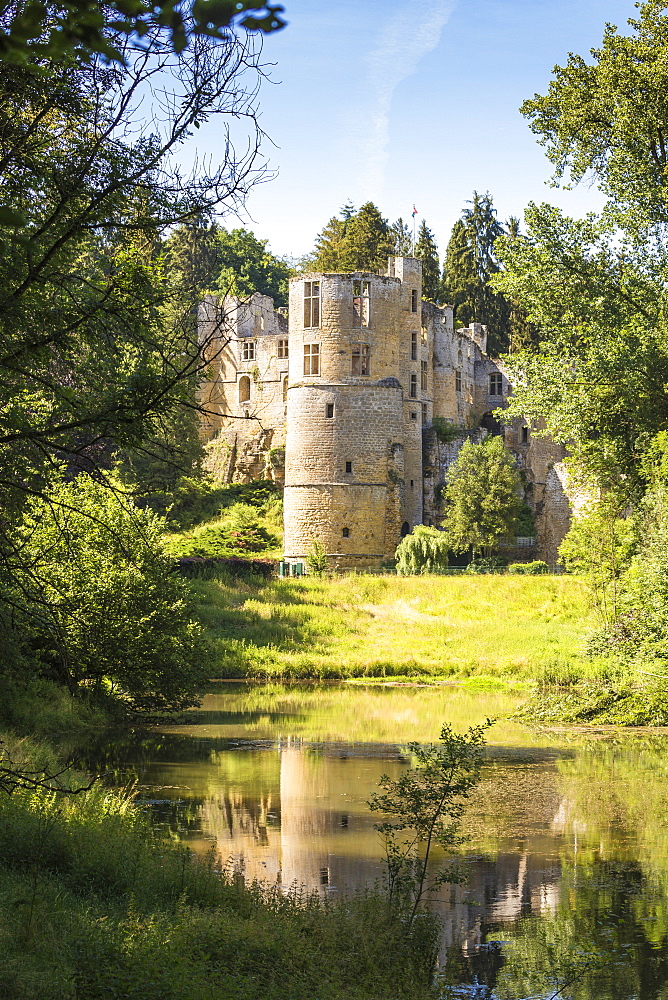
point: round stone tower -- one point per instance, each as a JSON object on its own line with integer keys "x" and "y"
{"x": 346, "y": 461}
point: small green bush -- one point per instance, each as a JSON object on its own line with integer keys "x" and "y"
{"x": 445, "y": 430}
{"x": 529, "y": 568}
{"x": 424, "y": 550}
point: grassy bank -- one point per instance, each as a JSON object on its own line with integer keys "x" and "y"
{"x": 503, "y": 628}
{"x": 92, "y": 906}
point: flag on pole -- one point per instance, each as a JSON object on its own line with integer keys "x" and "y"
{"x": 415, "y": 211}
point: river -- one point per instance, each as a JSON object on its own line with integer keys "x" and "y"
{"x": 567, "y": 857}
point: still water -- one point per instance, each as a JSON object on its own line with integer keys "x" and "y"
{"x": 567, "y": 859}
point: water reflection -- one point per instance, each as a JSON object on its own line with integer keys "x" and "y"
{"x": 568, "y": 856}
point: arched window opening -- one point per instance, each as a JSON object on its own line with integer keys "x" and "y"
{"x": 346, "y": 532}
{"x": 405, "y": 529}
{"x": 244, "y": 388}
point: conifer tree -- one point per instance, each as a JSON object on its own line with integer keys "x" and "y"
{"x": 459, "y": 275}
{"x": 403, "y": 242}
{"x": 356, "y": 241}
{"x": 328, "y": 245}
{"x": 427, "y": 251}
{"x": 470, "y": 263}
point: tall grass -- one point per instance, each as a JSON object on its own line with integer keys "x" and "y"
{"x": 93, "y": 906}
{"x": 433, "y": 627}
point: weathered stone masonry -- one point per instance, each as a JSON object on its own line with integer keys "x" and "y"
{"x": 338, "y": 404}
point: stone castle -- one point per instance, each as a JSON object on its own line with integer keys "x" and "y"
{"x": 344, "y": 401}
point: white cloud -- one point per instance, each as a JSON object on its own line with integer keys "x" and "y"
{"x": 409, "y": 34}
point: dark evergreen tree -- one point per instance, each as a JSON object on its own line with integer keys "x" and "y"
{"x": 459, "y": 275}
{"x": 328, "y": 245}
{"x": 403, "y": 241}
{"x": 361, "y": 241}
{"x": 427, "y": 251}
{"x": 470, "y": 263}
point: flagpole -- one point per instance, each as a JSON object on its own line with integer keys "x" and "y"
{"x": 415, "y": 212}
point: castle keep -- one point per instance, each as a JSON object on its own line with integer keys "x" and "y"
{"x": 338, "y": 403}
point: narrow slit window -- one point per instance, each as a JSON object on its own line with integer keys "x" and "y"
{"x": 414, "y": 300}
{"x": 244, "y": 388}
{"x": 458, "y": 381}
{"x": 282, "y": 351}
{"x": 311, "y": 304}
{"x": 311, "y": 359}
{"x": 349, "y": 466}
{"x": 525, "y": 435}
{"x": 413, "y": 389}
{"x": 413, "y": 346}
{"x": 361, "y": 359}
{"x": 330, "y": 409}
{"x": 495, "y": 384}
{"x": 424, "y": 414}
{"x": 424, "y": 334}
{"x": 361, "y": 303}
{"x": 248, "y": 350}
{"x": 423, "y": 376}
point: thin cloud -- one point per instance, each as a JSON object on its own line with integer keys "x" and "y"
{"x": 413, "y": 31}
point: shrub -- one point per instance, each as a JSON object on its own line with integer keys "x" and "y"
{"x": 445, "y": 430}
{"x": 424, "y": 550}
{"x": 529, "y": 568}
{"x": 101, "y": 606}
{"x": 317, "y": 557}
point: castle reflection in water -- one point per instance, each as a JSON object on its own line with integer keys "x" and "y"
{"x": 295, "y": 814}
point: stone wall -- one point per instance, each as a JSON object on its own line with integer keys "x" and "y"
{"x": 244, "y": 398}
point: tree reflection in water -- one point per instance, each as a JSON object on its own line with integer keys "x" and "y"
{"x": 568, "y": 857}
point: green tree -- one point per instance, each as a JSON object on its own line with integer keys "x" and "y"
{"x": 246, "y": 266}
{"x": 97, "y": 340}
{"x": 459, "y": 275}
{"x": 86, "y": 29}
{"x": 403, "y": 241}
{"x": 361, "y": 241}
{"x": 427, "y": 251}
{"x": 97, "y": 601}
{"x": 595, "y": 288}
{"x": 427, "y": 804}
{"x": 424, "y": 550}
{"x": 608, "y": 118}
{"x": 470, "y": 262}
{"x": 483, "y": 496}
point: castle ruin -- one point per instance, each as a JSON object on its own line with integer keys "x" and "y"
{"x": 337, "y": 402}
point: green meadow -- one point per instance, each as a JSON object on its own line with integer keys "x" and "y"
{"x": 498, "y": 628}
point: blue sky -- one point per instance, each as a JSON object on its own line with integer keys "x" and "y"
{"x": 406, "y": 102}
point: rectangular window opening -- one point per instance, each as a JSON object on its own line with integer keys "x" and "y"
{"x": 414, "y": 300}
{"x": 361, "y": 359}
{"x": 248, "y": 350}
{"x": 282, "y": 351}
{"x": 311, "y": 359}
{"x": 413, "y": 346}
{"x": 495, "y": 384}
{"x": 361, "y": 303}
{"x": 330, "y": 409}
{"x": 413, "y": 415}
{"x": 424, "y": 413}
{"x": 525, "y": 435}
{"x": 311, "y": 304}
{"x": 349, "y": 466}
{"x": 413, "y": 389}
{"x": 423, "y": 376}
{"x": 458, "y": 381}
